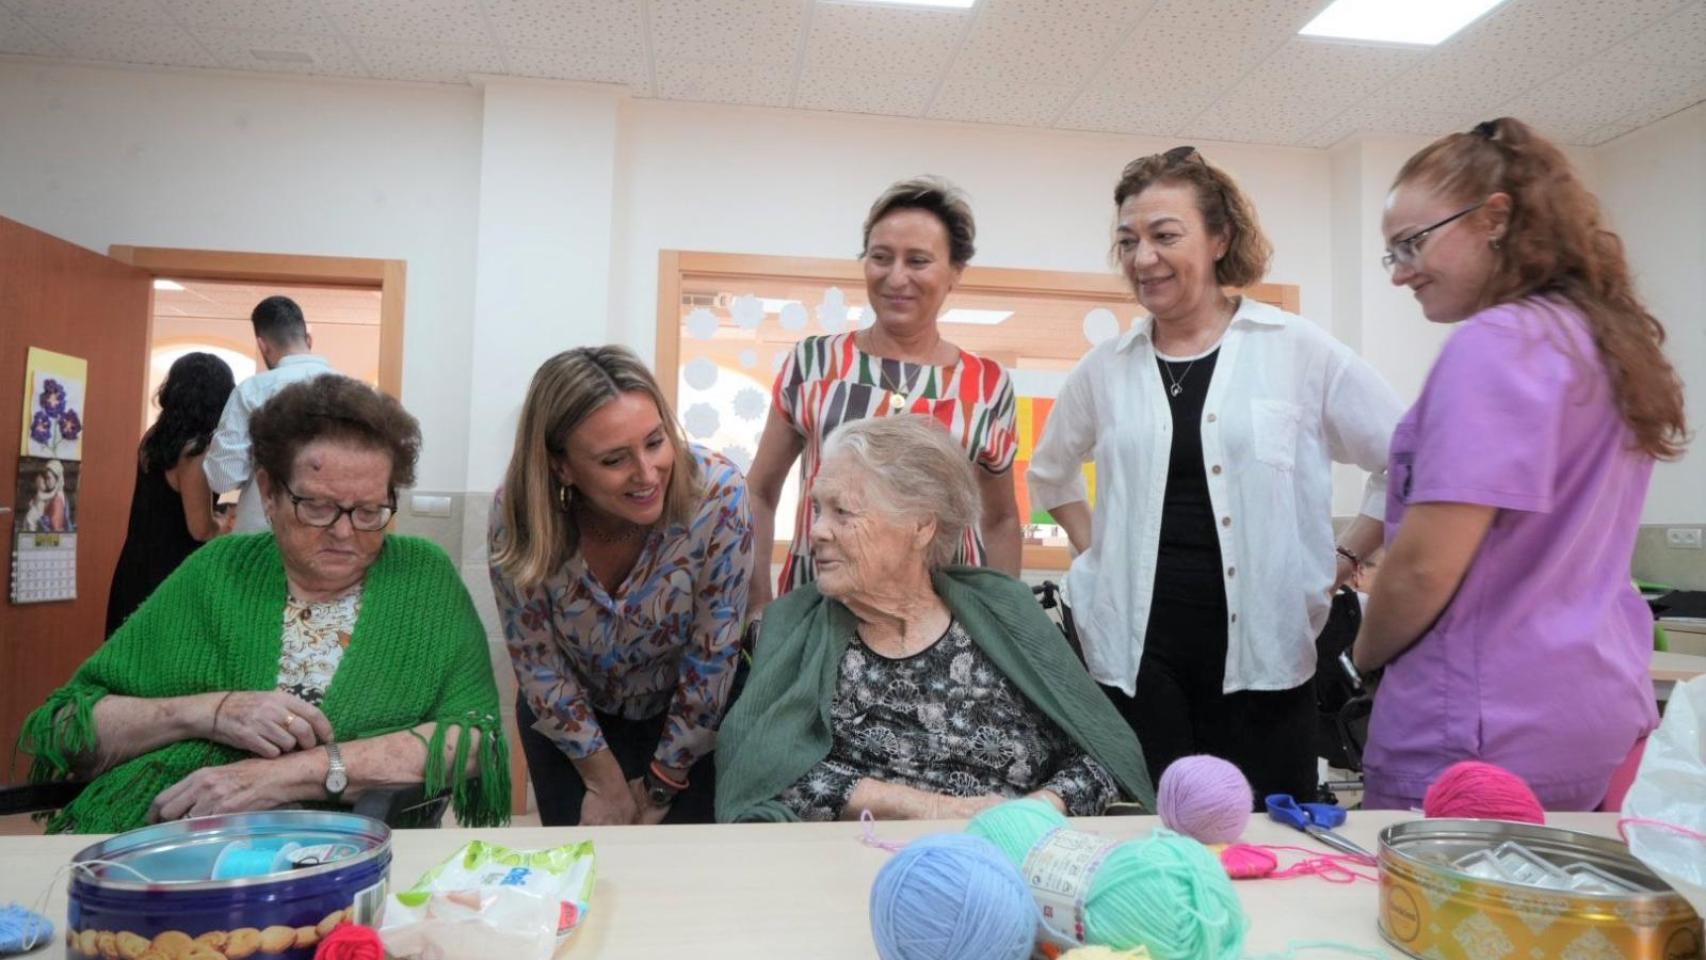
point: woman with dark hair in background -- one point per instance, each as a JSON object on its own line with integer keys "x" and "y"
{"x": 171, "y": 512}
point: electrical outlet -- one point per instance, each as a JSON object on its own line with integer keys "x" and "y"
{"x": 1682, "y": 538}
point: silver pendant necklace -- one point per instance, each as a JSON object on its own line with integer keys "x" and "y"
{"x": 1176, "y": 386}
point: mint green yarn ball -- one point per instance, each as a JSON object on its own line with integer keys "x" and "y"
{"x": 1166, "y": 893}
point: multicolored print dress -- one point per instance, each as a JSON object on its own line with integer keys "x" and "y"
{"x": 829, "y": 381}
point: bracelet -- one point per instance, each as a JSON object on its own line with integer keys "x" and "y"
{"x": 666, "y": 779}
{"x": 1355, "y": 560}
{"x": 214, "y": 726}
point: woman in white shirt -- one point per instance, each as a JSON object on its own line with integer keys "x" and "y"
{"x": 1205, "y": 572}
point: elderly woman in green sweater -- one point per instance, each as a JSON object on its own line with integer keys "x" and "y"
{"x": 901, "y": 686}
{"x": 300, "y": 666}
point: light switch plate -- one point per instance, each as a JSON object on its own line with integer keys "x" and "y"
{"x": 427, "y": 505}
{"x": 1682, "y": 538}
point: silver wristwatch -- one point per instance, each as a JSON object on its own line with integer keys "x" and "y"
{"x": 337, "y": 778}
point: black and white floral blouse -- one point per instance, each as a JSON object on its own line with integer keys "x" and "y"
{"x": 945, "y": 720}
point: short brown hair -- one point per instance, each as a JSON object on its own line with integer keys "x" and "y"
{"x": 937, "y": 197}
{"x": 1225, "y": 210}
{"x": 566, "y": 390}
{"x": 338, "y": 408}
{"x": 1557, "y": 242}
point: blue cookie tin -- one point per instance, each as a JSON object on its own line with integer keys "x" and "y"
{"x": 264, "y": 885}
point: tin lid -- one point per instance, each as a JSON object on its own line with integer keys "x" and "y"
{"x": 1438, "y": 846}
{"x": 186, "y": 854}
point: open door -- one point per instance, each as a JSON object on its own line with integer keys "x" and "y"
{"x": 61, "y": 297}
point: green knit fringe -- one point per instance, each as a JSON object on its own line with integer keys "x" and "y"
{"x": 481, "y": 800}
{"x": 60, "y": 731}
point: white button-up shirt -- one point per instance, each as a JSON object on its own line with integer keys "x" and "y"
{"x": 1286, "y": 401}
{"x": 228, "y": 464}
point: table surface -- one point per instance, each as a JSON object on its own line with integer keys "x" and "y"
{"x": 789, "y": 890}
{"x": 1676, "y": 667}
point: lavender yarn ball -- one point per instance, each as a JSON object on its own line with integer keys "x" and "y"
{"x": 1205, "y": 798}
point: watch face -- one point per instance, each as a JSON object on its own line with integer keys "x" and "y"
{"x": 660, "y": 796}
{"x": 336, "y": 781}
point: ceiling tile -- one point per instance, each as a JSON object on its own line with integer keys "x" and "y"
{"x": 1564, "y": 29}
{"x": 875, "y": 39}
{"x": 1606, "y": 95}
{"x": 430, "y": 62}
{"x": 16, "y": 36}
{"x": 1679, "y": 40}
{"x": 251, "y": 16}
{"x": 1278, "y": 19}
{"x": 129, "y": 11}
{"x": 889, "y": 94}
{"x": 589, "y": 27}
{"x": 236, "y": 50}
{"x": 1374, "y": 120}
{"x": 612, "y": 66}
{"x": 457, "y": 22}
{"x": 733, "y": 32}
{"x": 1051, "y": 41}
{"x": 1150, "y": 84}
{"x": 125, "y": 42}
{"x": 713, "y": 81}
{"x": 1297, "y": 90}
{"x": 1457, "y": 80}
{"x": 1008, "y": 100}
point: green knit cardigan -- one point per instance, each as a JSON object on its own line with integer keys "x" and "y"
{"x": 780, "y": 727}
{"x": 418, "y": 655}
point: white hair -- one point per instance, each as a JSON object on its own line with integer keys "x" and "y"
{"x": 913, "y": 470}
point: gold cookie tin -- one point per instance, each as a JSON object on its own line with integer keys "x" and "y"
{"x": 1432, "y": 910}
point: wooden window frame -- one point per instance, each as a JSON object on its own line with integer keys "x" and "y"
{"x": 737, "y": 269}
{"x": 389, "y": 277}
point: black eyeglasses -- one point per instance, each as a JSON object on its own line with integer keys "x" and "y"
{"x": 1181, "y": 155}
{"x": 367, "y": 517}
{"x": 1406, "y": 251}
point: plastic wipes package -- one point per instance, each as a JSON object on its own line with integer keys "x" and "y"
{"x": 1665, "y": 811}
{"x": 491, "y": 901}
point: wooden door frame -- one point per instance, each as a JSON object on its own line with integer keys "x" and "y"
{"x": 675, "y": 264}
{"x": 390, "y": 277}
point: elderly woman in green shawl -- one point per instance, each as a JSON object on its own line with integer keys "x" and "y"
{"x": 303, "y": 665}
{"x": 904, "y": 687}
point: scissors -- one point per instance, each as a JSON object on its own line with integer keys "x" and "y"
{"x": 1315, "y": 819}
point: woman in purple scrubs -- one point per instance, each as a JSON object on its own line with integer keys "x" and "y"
{"x": 1504, "y": 612}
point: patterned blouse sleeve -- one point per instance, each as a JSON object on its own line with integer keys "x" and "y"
{"x": 823, "y": 792}
{"x": 719, "y": 611}
{"x": 542, "y": 672}
{"x": 785, "y": 392}
{"x": 1084, "y": 785}
{"x": 1001, "y": 433}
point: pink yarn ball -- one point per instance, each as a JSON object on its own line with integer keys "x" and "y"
{"x": 1482, "y": 791}
{"x": 1205, "y": 798}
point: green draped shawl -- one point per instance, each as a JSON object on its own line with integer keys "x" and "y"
{"x": 780, "y": 726}
{"x": 418, "y": 655}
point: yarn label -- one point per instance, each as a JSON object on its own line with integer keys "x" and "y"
{"x": 1059, "y": 870}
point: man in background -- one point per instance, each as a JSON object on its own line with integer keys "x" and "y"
{"x": 281, "y": 336}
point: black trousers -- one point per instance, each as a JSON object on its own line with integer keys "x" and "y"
{"x": 1180, "y": 708}
{"x": 560, "y": 790}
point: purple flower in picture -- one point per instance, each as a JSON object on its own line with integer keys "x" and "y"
{"x": 41, "y": 428}
{"x": 52, "y": 397}
{"x": 70, "y": 425}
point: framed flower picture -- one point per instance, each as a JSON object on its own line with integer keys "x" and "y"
{"x": 54, "y": 387}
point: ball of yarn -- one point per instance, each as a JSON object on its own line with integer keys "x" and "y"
{"x": 1165, "y": 893}
{"x": 952, "y": 897}
{"x": 1206, "y": 798}
{"x": 1482, "y": 791}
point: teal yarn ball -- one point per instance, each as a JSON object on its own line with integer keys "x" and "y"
{"x": 952, "y": 897}
{"x": 1166, "y": 893}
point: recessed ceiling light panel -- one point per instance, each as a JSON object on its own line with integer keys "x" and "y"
{"x": 1420, "y": 23}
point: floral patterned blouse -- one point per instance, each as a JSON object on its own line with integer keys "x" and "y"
{"x": 948, "y": 721}
{"x": 315, "y": 638}
{"x": 665, "y": 640}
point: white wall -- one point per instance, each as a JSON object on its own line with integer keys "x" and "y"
{"x": 1653, "y": 186}
{"x": 285, "y": 165}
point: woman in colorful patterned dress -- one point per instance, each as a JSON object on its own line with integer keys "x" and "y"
{"x": 918, "y": 238}
{"x": 619, "y": 558}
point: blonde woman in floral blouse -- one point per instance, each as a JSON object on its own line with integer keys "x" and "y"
{"x": 619, "y": 561}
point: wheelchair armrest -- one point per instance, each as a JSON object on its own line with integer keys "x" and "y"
{"x": 39, "y": 797}
{"x": 403, "y": 805}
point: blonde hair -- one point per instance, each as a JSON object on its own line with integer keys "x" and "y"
{"x": 566, "y": 390}
{"x": 914, "y": 471}
{"x": 1225, "y": 209}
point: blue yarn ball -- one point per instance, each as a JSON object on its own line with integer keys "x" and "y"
{"x": 952, "y": 897}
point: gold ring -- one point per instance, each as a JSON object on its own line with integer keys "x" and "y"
{"x": 289, "y": 719}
